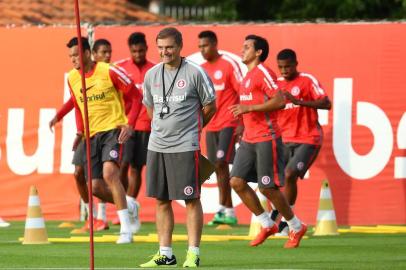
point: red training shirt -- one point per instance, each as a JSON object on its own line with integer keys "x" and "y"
{"x": 226, "y": 77}
{"x": 299, "y": 124}
{"x": 137, "y": 74}
{"x": 257, "y": 87}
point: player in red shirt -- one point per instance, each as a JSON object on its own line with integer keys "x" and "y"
{"x": 101, "y": 52}
{"x": 260, "y": 155}
{"x": 135, "y": 149}
{"x": 301, "y": 131}
{"x": 221, "y": 130}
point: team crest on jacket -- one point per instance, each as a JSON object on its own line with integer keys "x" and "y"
{"x": 218, "y": 74}
{"x": 295, "y": 91}
{"x": 181, "y": 83}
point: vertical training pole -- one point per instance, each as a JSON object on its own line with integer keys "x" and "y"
{"x": 85, "y": 113}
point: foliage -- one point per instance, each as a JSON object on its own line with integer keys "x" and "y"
{"x": 300, "y": 10}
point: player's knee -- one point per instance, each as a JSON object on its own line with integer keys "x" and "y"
{"x": 111, "y": 172}
{"x": 220, "y": 165}
{"x": 135, "y": 171}
{"x": 237, "y": 183}
{"x": 267, "y": 190}
{"x": 96, "y": 188}
{"x": 291, "y": 176}
{"x": 79, "y": 174}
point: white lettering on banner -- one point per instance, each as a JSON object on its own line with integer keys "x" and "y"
{"x": 68, "y": 134}
{"x": 43, "y": 159}
{"x": 400, "y": 162}
{"x": 323, "y": 117}
{"x": 369, "y": 115}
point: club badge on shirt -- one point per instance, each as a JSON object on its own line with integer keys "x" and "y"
{"x": 181, "y": 83}
{"x": 295, "y": 91}
{"x": 218, "y": 74}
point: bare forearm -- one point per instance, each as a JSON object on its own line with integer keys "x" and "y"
{"x": 149, "y": 112}
{"x": 275, "y": 103}
{"x": 323, "y": 104}
{"x": 208, "y": 112}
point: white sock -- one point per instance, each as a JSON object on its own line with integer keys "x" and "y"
{"x": 131, "y": 200}
{"x": 294, "y": 224}
{"x": 265, "y": 220}
{"x": 124, "y": 220}
{"x": 230, "y": 212}
{"x": 87, "y": 207}
{"x": 222, "y": 208}
{"x": 101, "y": 212}
{"x": 194, "y": 250}
{"x": 167, "y": 251}
{"x": 88, "y": 210}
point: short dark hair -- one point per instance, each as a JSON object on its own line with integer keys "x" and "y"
{"x": 170, "y": 32}
{"x": 136, "y": 38}
{"x": 286, "y": 54}
{"x": 209, "y": 35}
{"x": 75, "y": 42}
{"x": 260, "y": 43}
{"x": 100, "y": 42}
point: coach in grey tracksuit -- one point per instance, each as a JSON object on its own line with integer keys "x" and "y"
{"x": 180, "y": 99}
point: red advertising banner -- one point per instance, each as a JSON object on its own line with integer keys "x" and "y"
{"x": 364, "y": 151}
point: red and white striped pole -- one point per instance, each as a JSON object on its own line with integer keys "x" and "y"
{"x": 86, "y": 118}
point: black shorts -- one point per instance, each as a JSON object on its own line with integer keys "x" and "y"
{"x": 299, "y": 157}
{"x": 221, "y": 145}
{"x": 173, "y": 176}
{"x": 136, "y": 148}
{"x": 79, "y": 156}
{"x": 263, "y": 160}
{"x": 104, "y": 147}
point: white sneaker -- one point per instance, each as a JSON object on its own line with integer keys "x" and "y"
{"x": 125, "y": 238}
{"x": 284, "y": 232}
{"x": 3, "y": 223}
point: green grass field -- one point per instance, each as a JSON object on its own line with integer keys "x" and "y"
{"x": 346, "y": 251}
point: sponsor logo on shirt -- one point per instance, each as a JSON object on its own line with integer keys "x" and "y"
{"x": 246, "y": 97}
{"x": 174, "y": 98}
{"x": 188, "y": 190}
{"x": 94, "y": 97}
{"x": 219, "y": 87}
{"x": 181, "y": 83}
{"x": 247, "y": 83}
{"x": 87, "y": 88}
{"x": 290, "y": 106}
{"x": 295, "y": 91}
{"x": 218, "y": 74}
{"x": 139, "y": 85}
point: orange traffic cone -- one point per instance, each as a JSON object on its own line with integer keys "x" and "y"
{"x": 35, "y": 231}
{"x": 255, "y": 226}
{"x": 326, "y": 217}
